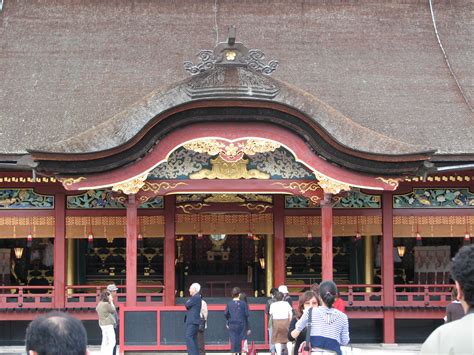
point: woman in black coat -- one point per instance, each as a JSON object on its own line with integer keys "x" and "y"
{"x": 306, "y": 300}
{"x": 237, "y": 315}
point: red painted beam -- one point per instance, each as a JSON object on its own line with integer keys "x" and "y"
{"x": 278, "y": 240}
{"x": 169, "y": 251}
{"x": 60, "y": 252}
{"x": 233, "y": 132}
{"x": 131, "y": 259}
{"x": 388, "y": 268}
{"x": 326, "y": 242}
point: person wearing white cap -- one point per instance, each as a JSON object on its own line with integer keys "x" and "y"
{"x": 113, "y": 291}
{"x": 286, "y": 296}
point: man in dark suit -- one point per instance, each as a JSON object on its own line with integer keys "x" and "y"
{"x": 192, "y": 318}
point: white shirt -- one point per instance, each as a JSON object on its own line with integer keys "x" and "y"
{"x": 281, "y": 310}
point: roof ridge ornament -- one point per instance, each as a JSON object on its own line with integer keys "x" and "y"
{"x": 231, "y": 53}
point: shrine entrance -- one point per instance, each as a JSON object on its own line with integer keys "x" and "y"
{"x": 219, "y": 262}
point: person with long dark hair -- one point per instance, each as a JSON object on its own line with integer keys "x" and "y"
{"x": 329, "y": 327}
{"x": 237, "y": 315}
{"x": 306, "y": 301}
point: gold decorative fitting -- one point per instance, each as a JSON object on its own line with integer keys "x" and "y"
{"x": 232, "y": 151}
{"x": 71, "y": 181}
{"x": 259, "y": 208}
{"x": 131, "y": 186}
{"x": 302, "y": 187}
{"x": 189, "y": 207}
{"x": 331, "y": 186}
{"x": 230, "y": 55}
{"x": 391, "y": 182}
{"x": 224, "y": 198}
{"x": 229, "y": 170}
{"x": 156, "y": 187}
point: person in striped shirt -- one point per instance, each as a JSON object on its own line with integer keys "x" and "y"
{"x": 329, "y": 327}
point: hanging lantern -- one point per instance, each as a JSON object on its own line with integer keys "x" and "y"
{"x": 29, "y": 241}
{"x": 308, "y": 226}
{"x": 467, "y": 236}
{"x": 18, "y": 252}
{"x": 90, "y": 241}
{"x": 358, "y": 235}
{"x": 401, "y": 249}
{"x": 140, "y": 240}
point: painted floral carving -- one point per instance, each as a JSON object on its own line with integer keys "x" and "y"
{"x": 181, "y": 163}
{"x": 24, "y": 199}
{"x": 357, "y": 199}
{"x": 280, "y": 164}
{"x": 435, "y": 198}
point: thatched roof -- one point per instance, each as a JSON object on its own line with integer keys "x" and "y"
{"x": 66, "y": 67}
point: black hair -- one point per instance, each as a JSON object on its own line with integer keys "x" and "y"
{"x": 56, "y": 334}
{"x": 462, "y": 271}
{"x": 273, "y": 290}
{"x": 279, "y": 296}
{"x": 328, "y": 292}
{"x": 235, "y": 292}
{"x": 243, "y": 297}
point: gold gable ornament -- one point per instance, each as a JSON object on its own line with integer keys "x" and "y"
{"x": 222, "y": 169}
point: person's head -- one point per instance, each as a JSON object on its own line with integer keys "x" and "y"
{"x": 279, "y": 296}
{"x": 306, "y": 300}
{"x": 315, "y": 289}
{"x": 462, "y": 271}
{"x": 328, "y": 292}
{"x": 236, "y": 292}
{"x": 273, "y": 290}
{"x": 283, "y": 289}
{"x": 104, "y": 296}
{"x": 194, "y": 288}
{"x": 55, "y": 334}
{"x": 112, "y": 289}
{"x": 243, "y": 297}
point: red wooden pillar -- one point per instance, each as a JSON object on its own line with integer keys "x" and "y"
{"x": 387, "y": 269}
{"x": 326, "y": 241}
{"x": 169, "y": 273}
{"x": 131, "y": 258}
{"x": 59, "y": 250}
{"x": 279, "y": 240}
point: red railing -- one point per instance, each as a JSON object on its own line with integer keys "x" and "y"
{"x": 87, "y": 296}
{"x": 26, "y": 297}
{"x": 354, "y": 295}
{"x": 422, "y": 295}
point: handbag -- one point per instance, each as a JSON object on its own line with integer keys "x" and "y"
{"x": 305, "y": 347}
{"x": 202, "y": 324}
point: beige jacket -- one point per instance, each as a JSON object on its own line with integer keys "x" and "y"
{"x": 456, "y": 338}
{"x": 106, "y": 312}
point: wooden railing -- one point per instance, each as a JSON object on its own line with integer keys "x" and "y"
{"x": 87, "y": 296}
{"x": 422, "y": 295}
{"x": 26, "y": 297}
{"x": 353, "y": 295}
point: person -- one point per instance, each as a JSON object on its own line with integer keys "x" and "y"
{"x": 107, "y": 319}
{"x": 454, "y": 310}
{"x": 457, "y": 337}
{"x": 306, "y": 301}
{"x": 237, "y": 315}
{"x": 339, "y": 303}
{"x": 193, "y": 318}
{"x": 329, "y": 327}
{"x": 246, "y": 331}
{"x": 281, "y": 313}
{"x": 202, "y": 327}
{"x": 55, "y": 334}
{"x": 286, "y": 294}
{"x": 113, "y": 291}
{"x": 271, "y": 300}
